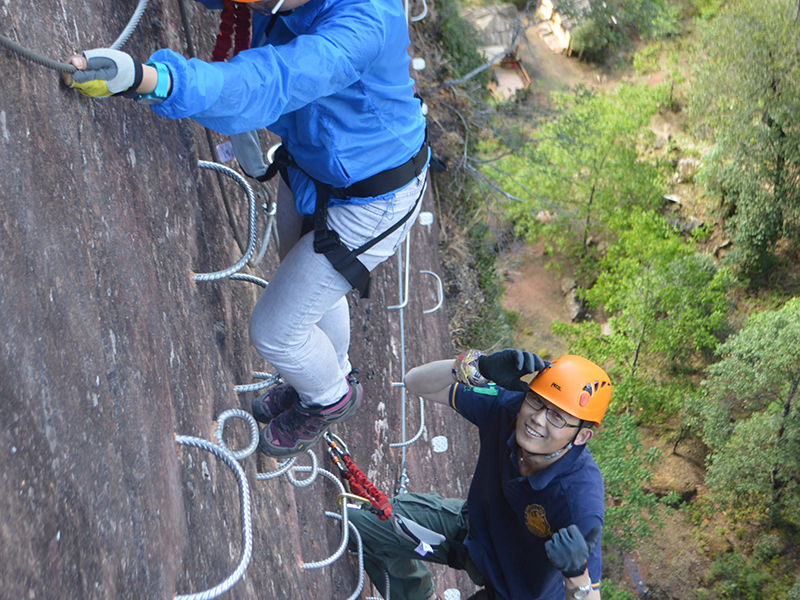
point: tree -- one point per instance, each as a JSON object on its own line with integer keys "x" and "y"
{"x": 750, "y": 417}
{"x": 745, "y": 89}
{"x": 581, "y": 169}
{"x": 668, "y": 313}
{"x": 625, "y": 466}
{"x": 614, "y": 24}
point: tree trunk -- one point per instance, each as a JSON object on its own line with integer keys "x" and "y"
{"x": 787, "y": 409}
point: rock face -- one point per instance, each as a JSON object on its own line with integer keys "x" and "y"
{"x": 687, "y": 169}
{"x": 109, "y": 349}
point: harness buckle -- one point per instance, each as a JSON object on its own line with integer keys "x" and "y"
{"x": 326, "y": 241}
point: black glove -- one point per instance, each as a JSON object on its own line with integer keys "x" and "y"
{"x": 568, "y": 551}
{"x": 505, "y": 368}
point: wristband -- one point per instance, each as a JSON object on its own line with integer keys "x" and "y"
{"x": 161, "y": 91}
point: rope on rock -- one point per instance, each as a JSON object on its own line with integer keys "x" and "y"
{"x": 387, "y": 587}
{"x": 360, "y": 554}
{"x": 239, "y": 414}
{"x": 249, "y": 279}
{"x": 251, "y": 243}
{"x": 247, "y": 526}
{"x": 345, "y": 531}
{"x": 66, "y": 67}
{"x": 419, "y": 431}
{"x": 268, "y": 380}
{"x": 270, "y": 210}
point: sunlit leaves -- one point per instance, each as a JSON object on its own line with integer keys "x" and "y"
{"x": 746, "y": 85}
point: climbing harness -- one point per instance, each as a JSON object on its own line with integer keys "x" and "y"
{"x": 327, "y": 241}
{"x": 357, "y": 481}
{"x": 68, "y": 68}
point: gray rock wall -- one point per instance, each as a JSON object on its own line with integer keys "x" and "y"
{"x": 108, "y": 348}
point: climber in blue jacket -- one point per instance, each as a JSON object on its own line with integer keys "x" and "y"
{"x": 331, "y": 78}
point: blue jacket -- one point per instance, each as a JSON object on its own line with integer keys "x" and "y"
{"x": 331, "y": 80}
{"x": 511, "y": 517}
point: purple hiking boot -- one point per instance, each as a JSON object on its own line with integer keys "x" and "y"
{"x": 300, "y": 427}
{"x": 275, "y": 401}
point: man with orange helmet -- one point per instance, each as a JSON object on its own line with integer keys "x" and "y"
{"x": 530, "y": 528}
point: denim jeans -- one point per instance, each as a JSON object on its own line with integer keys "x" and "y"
{"x": 301, "y": 323}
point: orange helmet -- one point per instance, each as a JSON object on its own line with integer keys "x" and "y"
{"x": 575, "y": 385}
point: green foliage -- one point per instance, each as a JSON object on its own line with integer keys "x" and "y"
{"x": 668, "y": 311}
{"x": 491, "y": 326}
{"x": 672, "y": 499}
{"x": 735, "y": 579}
{"x": 753, "y": 114}
{"x": 794, "y": 593}
{"x": 457, "y": 38}
{"x": 705, "y": 10}
{"x": 646, "y": 59}
{"x": 767, "y": 546}
{"x": 609, "y": 591}
{"x": 584, "y": 168}
{"x": 590, "y": 39}
{"x": 626, "y": 465}
{"x": 614, "y": 24}
{"x": 750, "y": 419}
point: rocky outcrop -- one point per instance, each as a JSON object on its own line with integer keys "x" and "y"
{"x": 109, "y": 348}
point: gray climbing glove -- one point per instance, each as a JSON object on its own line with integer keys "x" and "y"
{"x": 247, "y": 150}
{"x": 506, "y": 367}
{"x": 108, "y": 72}
{"x": 569, "y": 552}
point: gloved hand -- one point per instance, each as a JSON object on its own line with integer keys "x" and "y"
{"x": 505, "y": 368}
{"x": 104, "y": 72}
{"x": 568, "y": 551}
{"x": 465, "y": 369}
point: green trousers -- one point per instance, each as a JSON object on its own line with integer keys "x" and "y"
{"x": 384, "y": 550}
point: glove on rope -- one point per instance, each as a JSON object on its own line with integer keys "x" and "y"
{"x": 568, "y": 551}
{"x": 465, "y": 369}
{"x": 506, "y": 367}
{"x": 108, "y": 72}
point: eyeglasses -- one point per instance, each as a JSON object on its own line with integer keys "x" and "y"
{"x": 554, "y": 418}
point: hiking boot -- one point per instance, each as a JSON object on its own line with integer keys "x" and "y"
{"x": 275, "y": 401}
{"x": 301, "y": 426}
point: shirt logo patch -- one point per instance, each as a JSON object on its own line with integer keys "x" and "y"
{"x": 536, "y": 521}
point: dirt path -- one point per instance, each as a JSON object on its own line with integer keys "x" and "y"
{"x": 534, "y": 293}
{"x": 532, "y": 290}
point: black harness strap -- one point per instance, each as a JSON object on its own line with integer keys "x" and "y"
{"x": 327, "y": 241}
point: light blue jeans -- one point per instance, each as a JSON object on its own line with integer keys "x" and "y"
{"x": 301, "y": 323}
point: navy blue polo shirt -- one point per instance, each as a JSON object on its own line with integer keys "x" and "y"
{"x": 511, "y": 517}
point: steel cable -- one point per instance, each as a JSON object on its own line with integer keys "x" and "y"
{"x": 249, "y": 279}
{"x": 66, "y": 67}
{"x": 419, "y": 432}
{"x": 251, "y": 243}
{"x": 247, "y": 526}
{"x": 253, "y": 387}
{"x": 345, "y": 536}
{"x": 239, "y": 414}
{"x": 360, "y": 554}
{"x": 387, "y": 588}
